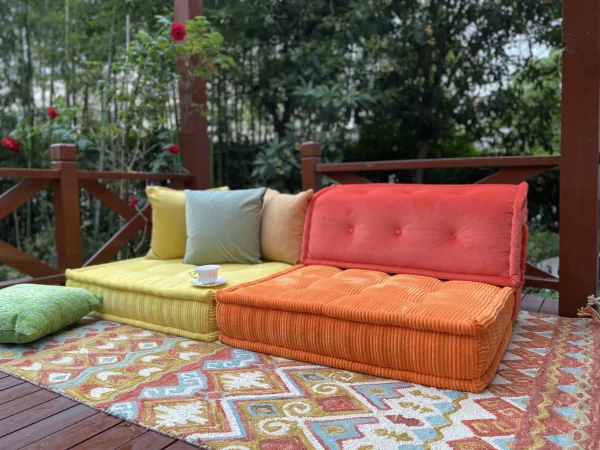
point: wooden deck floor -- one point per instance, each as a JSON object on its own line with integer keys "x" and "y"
{"x": 34, "y": 418}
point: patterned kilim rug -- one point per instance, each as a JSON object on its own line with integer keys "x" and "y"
{"x": 546, "y": 394}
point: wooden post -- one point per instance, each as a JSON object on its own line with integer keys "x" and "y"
{"x": 578, "y": 270}
{"x": 66, "y": 207}
{"x": 311, "y": 156}
{"x": 195, "y": 143}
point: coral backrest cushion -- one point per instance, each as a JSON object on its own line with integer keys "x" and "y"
{"x": 449, "y": 232}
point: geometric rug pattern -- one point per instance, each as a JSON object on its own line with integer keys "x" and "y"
{"x": 546, "y": 394}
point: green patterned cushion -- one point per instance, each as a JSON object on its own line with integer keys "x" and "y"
{"x": 31, "y": 311}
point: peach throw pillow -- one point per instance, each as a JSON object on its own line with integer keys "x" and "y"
{"x": 282, "y": 225}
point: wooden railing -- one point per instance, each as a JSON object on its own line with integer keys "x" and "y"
{"x": 512, "y": 170}
{"x": 579, "y": 175}
{"x": 66, "y": 182}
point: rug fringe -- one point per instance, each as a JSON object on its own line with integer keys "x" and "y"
{"x": 591, "y": 311}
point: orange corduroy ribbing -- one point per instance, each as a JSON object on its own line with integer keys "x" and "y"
{"x": 419, "y": 329}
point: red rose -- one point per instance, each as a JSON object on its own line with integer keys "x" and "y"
{"x": 12, "y": 144}
{"x": 133, "y": 202}
{"x": 177, "y": 31}
{"x": 52, "y": 113}
{"x": 173, "y": 149}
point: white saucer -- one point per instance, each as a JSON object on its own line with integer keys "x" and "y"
{"x": 218, "y": 282}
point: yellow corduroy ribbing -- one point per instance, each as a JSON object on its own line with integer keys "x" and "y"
{"x": 157, "y": 294}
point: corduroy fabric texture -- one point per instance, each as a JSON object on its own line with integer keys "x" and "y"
{"x": 462, "y": 232}
{"x": 447, "y": 334}
{"x": 158, "y": 295}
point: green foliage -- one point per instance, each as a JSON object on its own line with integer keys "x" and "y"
{"x": 408, "y": 79}
{"x": 370, "y": 79}
{"x": 117, "y": 100}
{"x": 542, "y": 245}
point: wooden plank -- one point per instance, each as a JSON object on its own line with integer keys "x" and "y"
{"x": 66, "y": 207}
{"x": 78, "y": 433}
{"x": 347, "y": 178}
{"x": 35, "y": 414}
{"x": 19, "y": 194}
{"x": 54, "y": 279}
{"x": 17, "y": 391}
{"x": 112, "y": 438}
{"x": 514, "y": 175}
{"x": 13, "y": 257}
{"x": 537, "y": 272}
{"x": 178, "y": 185}
{"x": 150, "y": 440}
{"x": 26, "y": 402}
{"x": 580, "y": 130}
{"x": 120, "y": 239}
{"x": 6, "y": 383}
{"x": 195, "y": 143}
{"x": 532, "y": 303}
{"x": 442, "y": 163}
{"x": 146, "y": 176}
{"x": 311, "y": 157}
{"x": 43, "y": 174}
{"x": 46, "y": 427}
{"x": 108, "y": 198}
{"x": 550, "y": 306}
{"x": 181, "y": 445}
{"x": 3, "y": 375}
{"x": 542, "y": 283}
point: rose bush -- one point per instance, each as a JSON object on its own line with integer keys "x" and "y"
{"x": 11, "y": 144}
{"x": 178, "y": 31}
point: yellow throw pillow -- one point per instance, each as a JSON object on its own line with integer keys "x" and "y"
{"x": 169, "y": 234}
{"x": 282, "y": 225}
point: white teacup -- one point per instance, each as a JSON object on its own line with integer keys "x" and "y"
{"x": 206, "y": 274}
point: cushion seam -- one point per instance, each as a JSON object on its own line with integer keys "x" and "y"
{"x": 479, "y": 331}
{"x": 211, "y": 299}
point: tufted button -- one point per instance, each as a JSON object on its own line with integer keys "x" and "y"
{"x": 453, "y": 236}
{"x": 350, "y": 230}
{"x": 398, "y": 232}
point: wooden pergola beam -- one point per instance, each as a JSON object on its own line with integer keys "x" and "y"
{"x": 195, "y": 143}
{"x": 580, "y": 130}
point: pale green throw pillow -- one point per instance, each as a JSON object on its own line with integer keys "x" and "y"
{"x": 31, "y": 311}
{"x": 223, "y": 227}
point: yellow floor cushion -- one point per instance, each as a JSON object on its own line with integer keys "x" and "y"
{"x": 158, "y": 295}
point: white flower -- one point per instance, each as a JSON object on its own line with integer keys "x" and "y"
{"x": 244, "y": 380}
{"x": 169, "y": 416}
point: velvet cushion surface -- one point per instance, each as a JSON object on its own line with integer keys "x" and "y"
{"x": 450, "y": 232}
{"x": 282, "y": 225}
{"x": 223, "y": 227}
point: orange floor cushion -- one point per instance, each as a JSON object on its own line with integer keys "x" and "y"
{"x": 419, "y": 283}
{"x": 415, "y": 328}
